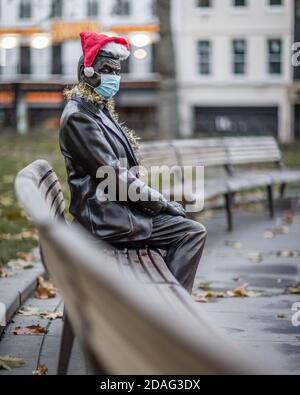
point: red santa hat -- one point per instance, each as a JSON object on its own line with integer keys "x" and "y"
{"x": 92, "y": 43}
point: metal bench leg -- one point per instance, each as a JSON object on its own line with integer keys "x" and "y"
{"x": 66, "y": 346}
{"x": 270, "y": 200}
{"x": 228, "y": 206}
{"x": 282, "y": 190}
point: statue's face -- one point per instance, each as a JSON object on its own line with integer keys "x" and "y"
{"x": 102, "y": 65}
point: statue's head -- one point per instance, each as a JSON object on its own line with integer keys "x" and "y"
{"x": 100, "y": 65}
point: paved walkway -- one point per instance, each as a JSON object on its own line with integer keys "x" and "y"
{"x": 262, "y": 324}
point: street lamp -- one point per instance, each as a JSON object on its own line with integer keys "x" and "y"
{"x": 140, "y": 40}
{"x": 140, "y": 54}
{"x": 40, "y": 41}
{"x": 9, "y": 42}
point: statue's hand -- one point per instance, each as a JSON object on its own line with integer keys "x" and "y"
{"x": 175, "y": 209}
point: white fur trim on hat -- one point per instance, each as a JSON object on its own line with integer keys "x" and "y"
{"x": 116, "y": 50}
{"x": 89, "y": 71}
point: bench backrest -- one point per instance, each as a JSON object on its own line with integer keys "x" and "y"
{"x": 41, "y": 175}
{"x": 127, "y": 327}
{"x": 199, "y": 152}
{"x": 244, "y": 150}
{"x": 158, "y": 153}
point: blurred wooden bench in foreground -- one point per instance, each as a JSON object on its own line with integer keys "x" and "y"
{"x": 128, "y": 312}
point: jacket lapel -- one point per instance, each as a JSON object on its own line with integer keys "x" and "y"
{"x": 103, "y": 114}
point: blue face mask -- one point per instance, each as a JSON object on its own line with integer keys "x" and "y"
{"x": 109, "y": 86}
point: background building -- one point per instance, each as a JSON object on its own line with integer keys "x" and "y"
{"x": 234, "y": 66}
{"x": 233, "y": 61}
{"x": 40, "y": 48}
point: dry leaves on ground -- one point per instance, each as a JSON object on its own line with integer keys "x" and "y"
{"x": 281, "y": 316}
{"x": 5, "y": 273}
{"x": 288, "y": 254}
{"x": 240, "y": 292}
{"x": 25, "y": 235}
{"x": 272, "y": 233}
{"x": 6, "y": 201}
{"x": 234, "y": 244}
{"x": 256, "y": 257}
{"x": 9, "y": 362}
{"x": 42, "y": 370}
{"x": 205, "y": 286}
{"x": 30, "y": 330}
{"x": 20, "y": 264}
{"x": 24, "y": 261}
{"x": 33, "y": 311}
{"x": 294, "y": 289}
{"x": 45, "y": 289}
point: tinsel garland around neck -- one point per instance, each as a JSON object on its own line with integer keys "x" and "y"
{"x": 88, "y": 94}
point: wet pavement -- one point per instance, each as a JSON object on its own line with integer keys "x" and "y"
{"x": 262, "y": 324}
{"x": 269, "y": 265}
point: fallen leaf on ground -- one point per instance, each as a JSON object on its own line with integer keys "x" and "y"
{"x": 26, "y": 235}
{"x": 5, "y": 273}
{"x": 44, "y": 293}
{"x": 256, "y": 257}
{"x": 9, "y": 362}
{"x": 33, "y": 311}
{"x": 20, "y": 264}
{"x": 30, "y": 330}
{"x": 271, "y": 233}
{"x": 6, "y": 201}
{"x": 294, "y": 289}
{"x": 241, "y": 292}
{"x": 8, "y": 178}
{"x": 45, "y": 289}
{"x": 27, "y": 256}
{"x": 204, "y": 297}
{"x": 288, "y": 219}
{"x": 281, "y": 316}
{"x": 48, "y": 284}
{"x": 15, "y": 215}
{"x": 41, "y": 370}
{"x": 233, "y": 244}
{"x": 200, "y": 299}
{"x": 206, "y": 286}
{"x": 288, "y": 254}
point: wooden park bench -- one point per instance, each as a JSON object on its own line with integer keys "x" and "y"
{"x": 127, "y": 310}
{"x": 223, "y": 159}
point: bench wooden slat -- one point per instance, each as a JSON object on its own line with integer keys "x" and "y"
{"x": 130, "y": 328}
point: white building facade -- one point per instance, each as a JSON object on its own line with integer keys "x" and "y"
{"x": 233, "y": 59}
{"x": 40, "y": 49}
{"x": 234, "y": 66}
{"x": 38, "y": 56}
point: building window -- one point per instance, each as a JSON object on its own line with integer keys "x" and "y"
{"x": 56, "y": 9}
{"x": 239, "y": 52}
{"x": 204, "y": 3}
{"x": 25, "y": 9}
{"x": 154, "y": 57}
{"x": 121, "y": 8}
{"x": 92, "y": 8}
{"x": 274, "y": 56}
{"x": 56, "y": 61}
{"x": 275, "y": 3}
{"x": 204, "y": 54}
{"x": 240, "y": 3}
{"x": 25, "y": 60}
